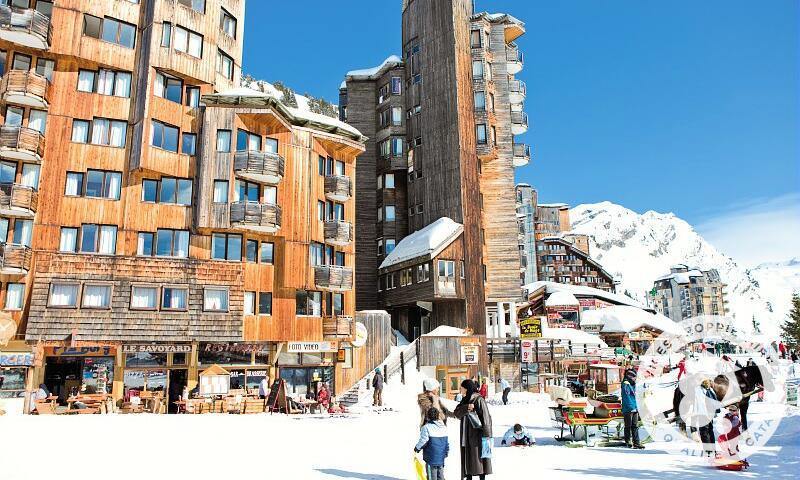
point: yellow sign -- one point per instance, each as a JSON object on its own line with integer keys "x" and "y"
{"x": 530, "y": 327}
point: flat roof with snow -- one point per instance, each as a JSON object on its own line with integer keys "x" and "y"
{"x": 427, "y": 242}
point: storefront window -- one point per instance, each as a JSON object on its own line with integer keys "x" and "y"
{"x": 145, "y": 359}
{"x": 138, "y": 380}
{"x": 289, "y": 359}
{"x": 237, "y": 379}
{"x": 312, "y": 358}
{"x": 12, "y": 382}
{"x": 207, "y": 357}
{"x": 254, "y": 378}
{"x": 179, "y": 359}
{"x": 98, "y": 374}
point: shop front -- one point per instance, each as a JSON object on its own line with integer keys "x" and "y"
{"x": 305, "y": 366}
{"x": 247, "y": 363}
{"x": 72, "y": 370}
{"x": 15, "y": 379}
{"x": 156, "y": 370}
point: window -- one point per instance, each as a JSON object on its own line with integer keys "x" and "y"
{"x": 100, "y": 131}
{"x": 167, "y": 190}
{"x": 45, "y": 67}
{"x": 196, "y": 5}
{"x": 389, "y": 214}
{"x": 224, "y": 65}
{"x": 166, "y": 34}
{"x": 251, "y": 250}
{"x": 168, "y": 87}
{"x": 164, "y": 136}
{"x": 390, "y": 244}
{"x": 98, "y": 239}
{"x": 144, "y": 298}
{"x": 223, "y": 140}
{"x": 321, "y": 166}
{"x": 397, "y": 84}
{"x": 3, "y": 60}
{"x": 480, "y": 134}
{"x": 14, "y": 116}
{"x": 316, "y": 253}
{"x": 23, "y": 232}
{"x": 463, "y": 269}
{"x": 226, "y": 246}
{"x": 193, "y": 97}
{"x": 321, "y": 211}
{"x": 220, "y": 191}
{"x": 188, "y": 143}
{"x": 246, "y": 191}
{"x": 103, "y": 184}
{"x": 105, "y": 82}
{"x": 109, "y": 30}
{"x": 188, "y": 42}
{"x": 247, "y": 141}
{"x": 227, "y": 23}
{"x": 69, "y": 239}
{"x": 397, "y": 116}
{"x": 96, "y": 296}
{"x": 397, "y": 146}
{"x": 21, "y": 62}
{"x": 267, "y": 252}
{"x": 174, "y": 298}
{"x": 308, "y": 303}
{"x": 74, "y": 185}
{"x": 423, "y": 273}
{"x": 477, "y": 69}
{"x": 480, "y": 101}
{"x": 388, "y": 180}
{"x": 447, "y": 270}
{"x": 265, "y": 303}
{"x": 383, "y": 93}
{"x": 249, "y": 303}
{"x": 15, "y": 293}
{"x": 215, "y": 300}
{"x": 63, "y": 295}
{"x": 475, "y": 38}
{"x": 144, "y": 244}
{"x": 172, "y": 243}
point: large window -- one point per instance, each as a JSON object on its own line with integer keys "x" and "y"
{"x": 100, "y": 131}
{"x": 227, "y": 23}
{"x": 172, "y": 243}
{"x": 226, "y": 246}
{"x": 109, "y": 30}
{"x": 447, "y": 270}
{"x": 174, "y": 298}
{"x": 167, "y": 190}
{"x": 168, "y": 87}
{"x": 164, "y": 136}
{"x": 265, "y": 303}
{"x": 96, "y": 296}
{"x": 224, "y": 64}
{"x": 187, "y": 41}
{"x": 308, "y": 303}
{"x": 98, "y": 239}
{"x": 144, "y": 297}
{"x": 215, "y": 299}
{"x": 94, "y": 184}
{"x": 63, "y": 295}
{"x": 247, "y": 141}
{"x": 105, "y": 82}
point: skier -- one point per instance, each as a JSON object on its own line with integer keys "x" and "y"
{"x": 434, "y": 444}
{"x": 518, "y": 436}
{"x": 630, "y": 410}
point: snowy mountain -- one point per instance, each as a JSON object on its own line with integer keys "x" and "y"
{"x": 638, "y": 248}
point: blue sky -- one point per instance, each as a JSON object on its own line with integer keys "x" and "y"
{"x": 684, "y": 106}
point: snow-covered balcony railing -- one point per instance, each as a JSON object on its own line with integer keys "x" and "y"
{"x": 258, "y": 217}
{"x": 522, "y": 154}
{"x": 338, "y": 188}
{"x": 262, "y": 167}
{"x": 333, "y": 278}
{"x": 517, "y": 90}
{"x": 25, "y": 26}
{"x": 338, "y": 327}
{"x": 338, "y": 233}
{"x": 14, "y": 259}
{"x": 21, "y": 143}
{"x": 27, "y": 88}
{"x": 514, "y": 59}
{"x": 17, "y": 200}
{"x": 519, "y": 123}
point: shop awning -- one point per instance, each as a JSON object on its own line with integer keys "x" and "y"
{"x": 8, "y": 328}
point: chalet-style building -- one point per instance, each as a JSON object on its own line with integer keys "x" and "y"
{"x": 688, "y": 292}
{"x": 155, "y": 218}
{"x": 440, "y": 159}
{"x": 560, "y": 260}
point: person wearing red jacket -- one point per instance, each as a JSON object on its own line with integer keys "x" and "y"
{"x": 324, "y": 396}
{"x": 484, "y": 390}
{"x": 681, "y": 368}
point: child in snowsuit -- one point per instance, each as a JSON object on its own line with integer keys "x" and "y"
{"x": 730, "y": 440}
{"x": 434, "y": 445}
{"x": 518, "y": 436}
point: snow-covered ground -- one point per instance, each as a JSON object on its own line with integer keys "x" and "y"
{"x": 368, "y": 444}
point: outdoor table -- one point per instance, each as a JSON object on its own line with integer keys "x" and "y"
{"x": 308, "y": 406}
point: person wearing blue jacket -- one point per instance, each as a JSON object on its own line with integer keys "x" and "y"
{"x": 518, "y": 436}
{"x": 630, "y": 410}
{"x": 434, "y": 445}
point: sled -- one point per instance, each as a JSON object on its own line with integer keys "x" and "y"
{"x": 729, "y": 464}
{"x": 419, "y": 468}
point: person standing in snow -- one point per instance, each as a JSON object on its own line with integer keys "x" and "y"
{"x": 505, "y": 387}
{"x": 429, "y": 398}
{"x": 472, "y": 437}
{"x": 324, "y": 396}
{"x": 681, "y": 368}
{"x": 377, "y": 386}
{"x": 484, "y": 390}
{"x": 518, "y": 436}
{"x": 263, "y": 388}
{"x": 434, "y": 444}
{"x": 782, "y": 350}
{"x": 630, "y": 410}
{"x": 705, "y": 398}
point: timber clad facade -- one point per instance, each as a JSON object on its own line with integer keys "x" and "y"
{"x": 441, "y": 122}
{"x": 144, "y": 197}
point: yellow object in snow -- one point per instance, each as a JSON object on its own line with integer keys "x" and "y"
{"x": 419, "y": 467}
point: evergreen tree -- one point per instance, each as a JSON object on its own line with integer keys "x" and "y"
{"x": 288, "y": 94}
{"x": 321, "y": 106}
{"x": 791, "y": 327}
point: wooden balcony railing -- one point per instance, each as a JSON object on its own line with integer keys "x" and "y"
{"x": 25, "y": 26}
{"x": 264, "y": 217}
{"x": 265, "y": 167}
{"x": 338, "y": 187}
{"x": 337, "y": 327}
{"x": 338, "y": 232}
{"x": 333, "y": 277}
{"x": 32, "y": 87}
{"x": 16, "y": 198}
{"x": 517, "y": 87}
{"x": 15, "y": 257}
{"x": 25, "y": 143}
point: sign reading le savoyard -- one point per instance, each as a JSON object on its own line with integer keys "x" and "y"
{"x": 156, "y": 348}
{"x": 530, "y": 327}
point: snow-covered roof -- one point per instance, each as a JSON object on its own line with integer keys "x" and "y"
{"x": 681, "y": 277}
{"x": 624, "y": 319}
{"x": 552, "y": 205}
{"x": 497, "y": 17}
{"x": 573, "y": 335}
{"x": 446, "y": 331}
{"x": 561, "y": 298}
{"x": 582, "y": 291}
{"x": 429, "y": 241}
{"x": 374, "y": 72}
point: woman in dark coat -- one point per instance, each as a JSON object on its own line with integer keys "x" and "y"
{"x": 471, "y": 461}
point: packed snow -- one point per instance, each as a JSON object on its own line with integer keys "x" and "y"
{"x": 622, "y": 318}
{"x": 427, "y": 241}
{"x": 445, "y": 331}
{"x": 374, "y": 71}
{"x": 561, "y": 298}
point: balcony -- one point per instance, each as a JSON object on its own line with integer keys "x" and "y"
{"x": 338, "y": 188}
{"x": 339, "y": 327}
{"x": 522, "y": 155}
{"x": 393, "y": 164}
{"x": 25, "y": 88}
{"x": 21, "y": 143}
{"x": 519, "y": 123}
{"x": 514, "y": 59}
{"x": 262, "y": 167}
{"x": 333, "y": 278}
{"x": 517, "y": 91}
{"x": 256, "y": 217}
{"x": 15, "y": 259}
{"x": 338, "y": 233}
{"x": 18, "y": 200}
{"x": 25, "y": 26}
